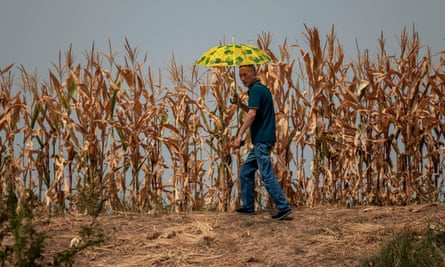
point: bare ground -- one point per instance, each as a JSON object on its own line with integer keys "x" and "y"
{"x": 323, "y": 236}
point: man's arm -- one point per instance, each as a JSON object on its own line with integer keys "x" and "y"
{"x": 243, "y": 106}
{"x": 250, "y": 117}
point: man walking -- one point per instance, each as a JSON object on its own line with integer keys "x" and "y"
{"x": 260, "y": 119}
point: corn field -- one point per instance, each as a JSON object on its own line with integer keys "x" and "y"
{"x": 119, "y": 134}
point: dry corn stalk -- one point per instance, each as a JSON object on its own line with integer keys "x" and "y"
{"x": 366, "y": 131}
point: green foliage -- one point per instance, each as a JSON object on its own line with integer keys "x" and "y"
{"x": 16, "y": 220}
{"x": 426, "y": 248}
{"x": 90, "y": 199}
{"x": 20, "y": 243}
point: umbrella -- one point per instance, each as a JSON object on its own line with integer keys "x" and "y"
{"x": 233, "y": 55}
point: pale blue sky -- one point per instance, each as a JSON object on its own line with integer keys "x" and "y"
{"x": 33, "y": 32}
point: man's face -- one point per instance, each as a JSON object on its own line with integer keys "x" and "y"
{"x": 247, "y": 75}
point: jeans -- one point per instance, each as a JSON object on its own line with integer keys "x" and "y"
{"x": 259, "y": 159}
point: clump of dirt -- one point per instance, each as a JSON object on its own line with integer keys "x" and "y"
{"x": 322, "y": 236}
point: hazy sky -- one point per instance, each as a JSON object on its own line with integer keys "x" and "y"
{"x": 33, "y": 32}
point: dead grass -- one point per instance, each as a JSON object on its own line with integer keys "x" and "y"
{"x": 322, "y": 236}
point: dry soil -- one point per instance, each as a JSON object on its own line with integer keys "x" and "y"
{"x": 322, "y": 236}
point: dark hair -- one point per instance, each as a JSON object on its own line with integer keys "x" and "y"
{"x": 249, "y": 66}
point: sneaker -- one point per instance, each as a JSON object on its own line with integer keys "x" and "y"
{"x": 244, "y": 210}
{"x": 281, "y": 215}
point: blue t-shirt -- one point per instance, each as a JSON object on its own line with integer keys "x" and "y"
{"x": 262, "y": 129}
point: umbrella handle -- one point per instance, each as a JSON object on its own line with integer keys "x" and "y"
{"x": 234, "y": 99}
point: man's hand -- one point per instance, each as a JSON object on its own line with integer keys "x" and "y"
{"x": 238, "y": 100}
{"x": 238, "y": 143}
{"x": 234, "y": 99}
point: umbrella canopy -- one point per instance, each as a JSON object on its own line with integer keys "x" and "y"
{"x": 233, "y": 55}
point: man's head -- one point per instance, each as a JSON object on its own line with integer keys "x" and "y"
{"x": 247, "y": 74}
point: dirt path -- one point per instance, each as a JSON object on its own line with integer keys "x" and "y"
{"x": 311, "y": 237}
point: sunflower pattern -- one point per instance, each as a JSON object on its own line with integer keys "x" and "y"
{"x": 233, "y": 55}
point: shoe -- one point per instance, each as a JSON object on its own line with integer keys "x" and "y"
{"x": 281, "y": 215}
{"x": 244, "y": 210}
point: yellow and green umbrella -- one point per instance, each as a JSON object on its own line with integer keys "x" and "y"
{"x": 233, "y": 55}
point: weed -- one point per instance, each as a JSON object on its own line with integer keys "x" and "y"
{"x": 24, "y": 246}
{"x": 426, "y": 248}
